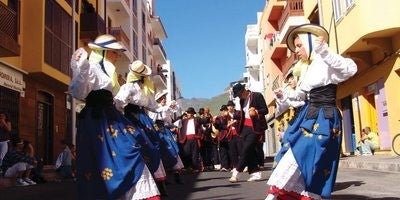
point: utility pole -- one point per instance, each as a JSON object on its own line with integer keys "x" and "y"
{"x": 73, "y": 102}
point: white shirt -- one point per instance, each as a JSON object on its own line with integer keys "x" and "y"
{"x": 87, "y": 77}
{"x": 190, "y": 127}
{"x": 133, "y": 94}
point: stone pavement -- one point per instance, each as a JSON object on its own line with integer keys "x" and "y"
{"x": 66, "y": 190}
{"x": 386, "y": 163}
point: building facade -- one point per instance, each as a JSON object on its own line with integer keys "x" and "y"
{"x": 35, "y": 55}
{"x": 368, "y": 33}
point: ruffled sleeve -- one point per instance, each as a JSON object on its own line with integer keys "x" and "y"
{"x": 340, "y": 68}
{"x": 83, "y": 77}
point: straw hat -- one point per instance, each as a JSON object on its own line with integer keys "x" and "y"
{"x": 289, "y": 73}
{"x": 305, "y": 28}
{"x": 139, "y": 68}
{"x": 161, "y": 93}
{"x": 106, "y": 42}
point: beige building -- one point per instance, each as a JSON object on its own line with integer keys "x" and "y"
{"x": 367, "y": 32}
{"x": 37, "y": 38}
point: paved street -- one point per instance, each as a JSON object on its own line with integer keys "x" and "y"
{"x": 351, "y": 184}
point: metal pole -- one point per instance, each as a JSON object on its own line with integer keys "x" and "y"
{"x": 73, "y": 102}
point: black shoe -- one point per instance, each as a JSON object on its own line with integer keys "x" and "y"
{"x": 162, "y": 188}
{"x": 177, "y": 178}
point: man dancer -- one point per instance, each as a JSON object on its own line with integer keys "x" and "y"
{"x": 253, "y": 110}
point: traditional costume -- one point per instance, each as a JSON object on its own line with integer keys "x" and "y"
{"x": 308, "y": 160}
{"x": 163, "y": 121}
{"x": 109, "y": 159}
{"x": 136, "y": 97}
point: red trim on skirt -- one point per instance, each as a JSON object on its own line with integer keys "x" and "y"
{"x": 282, "y": 194}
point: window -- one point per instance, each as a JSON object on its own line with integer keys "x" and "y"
{"x": 144, "y": 54}
{"x": 58, "y": 37}
{"x": 134, "y": 7}
{"x": 9, "y": 103}
{"x": 337, "y": 10}
{"x": 349, "y": 4}
{"x": 135, "y": 44}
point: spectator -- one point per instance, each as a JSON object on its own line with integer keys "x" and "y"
{"x": 17, "y": 164}
{"x": 65, "y": 168}
{"x": 369, "y": 142}
{"x": 37, "y": 171}
{"x": 5, "y": 133}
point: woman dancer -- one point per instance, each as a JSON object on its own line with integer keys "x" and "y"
{"x": 136, "y": 98}
{"x": 109, "y": 161}
{"x": 163, "y": 121}
{"x": 308, "y": 160}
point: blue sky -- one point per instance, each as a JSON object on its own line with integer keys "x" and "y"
{"x": 205, "y": 41}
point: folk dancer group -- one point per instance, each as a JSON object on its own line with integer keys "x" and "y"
{"x": 120, "y": 151}
{"x": 123, "y": 149}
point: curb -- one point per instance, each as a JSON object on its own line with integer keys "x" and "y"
{"x": 392, "y": 166}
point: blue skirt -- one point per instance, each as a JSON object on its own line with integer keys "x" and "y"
{"x": 148, "y": 138}
{"x": 315, "y": 139}
{"x": 168, "y": 147}
{"x": 109, "y": 159}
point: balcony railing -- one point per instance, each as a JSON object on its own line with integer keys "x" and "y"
{"x": 120, "y": 35}
{"x": 8, "y": 32}
{"x": 158, "y": 43}
{"x": 293, "y": 8}
{"x": 92, "y": 25}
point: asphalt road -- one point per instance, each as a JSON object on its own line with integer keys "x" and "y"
{"x": 350, "y": 184}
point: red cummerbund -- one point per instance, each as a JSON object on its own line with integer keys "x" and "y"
{"x": 248, "y": 122}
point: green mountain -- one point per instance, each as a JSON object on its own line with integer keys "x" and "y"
{"x": 214, "y": 103}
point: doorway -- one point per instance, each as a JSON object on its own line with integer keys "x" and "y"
{"x": 44, "y": 132}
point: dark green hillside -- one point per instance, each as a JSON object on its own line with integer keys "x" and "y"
{"x": 215, "y": 103}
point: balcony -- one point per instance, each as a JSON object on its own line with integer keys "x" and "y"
{"x": 279, "y": 54}
{"x": 119, "y": 8}
{"x": 293, "y": 8}
{"x": 120, "y": 35}
{"x": 8, "y": 32}
{"x": 159, "y": 54}
{"x": 158, "y": 28}
{"x": 275, "y": 15}
{"x": 92, "y": 25}
{"x": 254, "y": 61}
{"x": 251, "y": 36}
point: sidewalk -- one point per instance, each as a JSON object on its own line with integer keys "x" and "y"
{"x": 384, "y": 163}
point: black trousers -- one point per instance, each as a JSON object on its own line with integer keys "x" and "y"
{"x": 248, "y": 155}
{"x": 191, "y": 153}
{"x": 235, "y": 146}
{"x": 224, "y": 154}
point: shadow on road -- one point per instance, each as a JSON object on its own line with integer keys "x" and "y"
{"x": 346, "y": 196}
{"x": 345, "y": 185}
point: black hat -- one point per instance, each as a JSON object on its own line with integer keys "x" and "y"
{"x": 191, "y": 110}
{"x": 230, "y": 103}
{"x": 223, "y": 107}
{"x": 237, "y": 89}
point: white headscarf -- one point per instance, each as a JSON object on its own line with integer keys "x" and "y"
{"x": 96, "y": 56}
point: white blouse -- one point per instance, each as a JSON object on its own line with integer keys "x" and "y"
{"x": 87, "y": 77}
{"x": 166, "y": 113}
{"x": 326, "y": 68}
{"x": 133, "y": 94}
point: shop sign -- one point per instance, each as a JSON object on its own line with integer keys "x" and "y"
{"x": 11, "y": 79}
